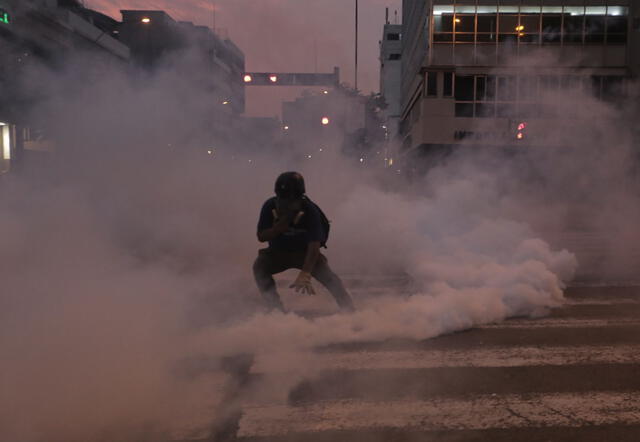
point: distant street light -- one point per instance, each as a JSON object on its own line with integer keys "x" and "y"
{"x": 225, "y": 102}
{"x": 273, "y": 78}
{"x": 325, "y": 121}
{"x": 146, "y": 20}
{"x": 248, "y": 78}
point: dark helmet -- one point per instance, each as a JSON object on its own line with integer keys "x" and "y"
{"x": 290, "y": 185}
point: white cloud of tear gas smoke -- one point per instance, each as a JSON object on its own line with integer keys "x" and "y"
{"x": 285, "y": 36}
{"x": 132, "y": 256}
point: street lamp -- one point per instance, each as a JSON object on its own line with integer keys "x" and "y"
{"x": 325, "y": 121}
{"x": 248, "y": 78}
{"x": 273, "y": 78}
{"x": 146, "y": 20}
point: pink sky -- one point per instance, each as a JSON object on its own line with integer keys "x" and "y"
{"x": 280, "y": 35}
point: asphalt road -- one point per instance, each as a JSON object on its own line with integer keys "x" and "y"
{"x": 572, "y": 376}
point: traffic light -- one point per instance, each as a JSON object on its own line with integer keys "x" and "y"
{"x": 520, "y": 132}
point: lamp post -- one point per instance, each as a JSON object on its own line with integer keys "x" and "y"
{"x": 356, "y": 48}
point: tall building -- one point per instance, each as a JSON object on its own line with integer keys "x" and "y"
{"x": 44, "y": 32}
{"x": 391, "y": 74}
{"x": 156, "y": 40}
{"x": 480, "y": 72}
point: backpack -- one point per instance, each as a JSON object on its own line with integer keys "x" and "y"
{"x": 324, "y": 222}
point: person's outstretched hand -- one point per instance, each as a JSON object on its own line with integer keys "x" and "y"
{"x": 302, "y": 284}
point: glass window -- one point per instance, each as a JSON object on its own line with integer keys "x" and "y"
{"x": 551, "y": 28}
{"x": 529, "y": 9}
{"x": 508, "y": 38}
{"x": 393, "y": 36}
{"x": 594, "y": 28}
{"x": 574, "y": 11}
{"x": 508, "y": 9}
{"x": 442, "y": 9}
{"x": 464, "y": 87}
{"x": 617, "y": 10}
{"x": 529, "y": 38}
{"x": 552, "y": 9}
{"x": 481, "y": 88}
{"x": 527, "y": 88}
{"x": 531, "y": 23}
{"x": 573, "y": 27}
{"x": 487, "y": 23}
{"x": 465, "y": 38}
{"x": 595, "y": 10}
{"x": 464, "y": 109}
{"x": 395, "y": 56}
{"x": 594, "y": 24}
{"x": 443, "y": 23}
{"x": 490, "y": 94}
{"x": 508, "y": 23}
{"x": 617, "y": 25}
{"x": 485, "y": 110}
{"x": 616, "y": 39}
{"x": 448, "y": 84}
{"x": 465, "y": 9}
{"x": 432, "y": 84}
{"x": 486, "y": 38}
{"x": 487, "y": 10}
{"x": 506, "y": 89}
{"x": 465, "y": 23}
{"x": 443, "y": 38}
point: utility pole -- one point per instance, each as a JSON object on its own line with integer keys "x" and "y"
{"x": 356, "y": 65}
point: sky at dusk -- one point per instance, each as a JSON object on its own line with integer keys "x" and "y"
{"x": 282, "y": 35}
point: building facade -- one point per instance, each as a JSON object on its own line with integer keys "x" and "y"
{"x": 44, "y": 32}
{"x": 156, "y": 39}
{"x": 486, "y": 72}
{"x": 391, "y": 76}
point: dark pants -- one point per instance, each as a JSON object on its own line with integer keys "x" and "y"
{"x": 270, "y": 262}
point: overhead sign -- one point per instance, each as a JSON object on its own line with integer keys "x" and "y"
{"x": 290, "y": 79}
{"x": 4, "y": 16}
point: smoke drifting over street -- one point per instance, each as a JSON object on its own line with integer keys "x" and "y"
{"x": 130, "y": 253}
{"x": 285, "y": 36}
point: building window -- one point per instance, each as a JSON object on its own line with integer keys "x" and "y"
{"x": 448, "y": 84}
{"x": 395, "y": 56}
{"x": 393, "y": 36}
{"x": 504, "y": 96}
{"x": 432, "y": 84}
{"x": 532, "y": 25}
{"x": 464, "y": 87}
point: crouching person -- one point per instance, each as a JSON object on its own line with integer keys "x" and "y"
{"x": 295, "y": 229}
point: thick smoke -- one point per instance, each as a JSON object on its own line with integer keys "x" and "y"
{"x": 130, "y": 253}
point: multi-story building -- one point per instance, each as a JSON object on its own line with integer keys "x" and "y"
{"x": 156, "y": 39}
{"x": 44, "y": 32}
{"x": 485, "y": 71}
{"x": 391, "y": 83}
{"x": 390, "y": 69}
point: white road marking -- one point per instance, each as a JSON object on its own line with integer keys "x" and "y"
{"x": 476, "y": 413}
{"x": 490, "y": 357}
{"x": 602, "y": 301}
{"x": 562, "y": 322}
